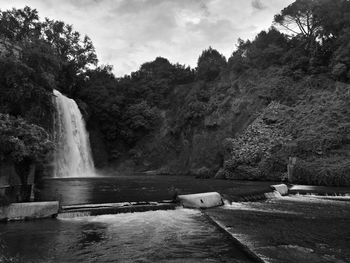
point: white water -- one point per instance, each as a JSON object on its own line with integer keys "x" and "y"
{"x": 73, "y": 155}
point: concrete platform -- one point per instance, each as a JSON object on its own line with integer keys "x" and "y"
{"x": 30, "y": 210}
{"x": 202, "y": 200}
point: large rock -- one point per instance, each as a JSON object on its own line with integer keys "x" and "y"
{"x": 202, "y": 200}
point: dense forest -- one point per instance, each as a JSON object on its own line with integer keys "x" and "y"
{"x": 284, "y": 94}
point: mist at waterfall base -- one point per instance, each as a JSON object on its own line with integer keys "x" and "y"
{"x": 73, "y": 153}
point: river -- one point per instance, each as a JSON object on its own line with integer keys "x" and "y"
{"x": 180, "y": 235}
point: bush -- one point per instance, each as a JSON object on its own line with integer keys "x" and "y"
{"x": 331, "y": 171}
{"x": 273, "y": 166}
{"x": 245, "y": 172}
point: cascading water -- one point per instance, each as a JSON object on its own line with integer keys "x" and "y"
{"x": 73, "y": 154}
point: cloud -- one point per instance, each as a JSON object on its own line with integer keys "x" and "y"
{"x": 257, "y": 5}
{"x": 127, "y": 33}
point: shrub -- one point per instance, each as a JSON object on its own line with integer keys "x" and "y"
{"x": 329, "y": 171}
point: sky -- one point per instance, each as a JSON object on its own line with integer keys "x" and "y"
{"x": 127, "y": 33}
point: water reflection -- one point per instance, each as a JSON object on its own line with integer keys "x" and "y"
{"x": 134, "y": 188}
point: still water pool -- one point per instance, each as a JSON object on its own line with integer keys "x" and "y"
{"x": 180, "y": 235}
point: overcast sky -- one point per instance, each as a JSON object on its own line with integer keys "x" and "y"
{"x": 127, "y": 33}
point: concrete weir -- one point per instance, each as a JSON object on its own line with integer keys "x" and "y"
{"x": 30, "y": 210}
{"x": 201, "y": 200}
{"x": 113, "y": 208}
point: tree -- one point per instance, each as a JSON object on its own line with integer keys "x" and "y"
{"x": 20, "y": 24}
{"x": 20, "y": 140}
{"x": 26, "y": 91}
{"x": 316, "y": 21}
{"x": 299, "y": 18}
{"x": 74, "y": 54}
{"x": 340, "y": 62}
{"x": 267, "y": 49}
{"x": 210, "y": 64}
{"x": 159, "y": 68}
{"x": 302, "y": 20}
{"x": 334, "y": 16}
{"x": 237, "y": 61}
{"x": 68, "y": 44}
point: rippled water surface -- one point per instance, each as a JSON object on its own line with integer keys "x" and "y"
{"x": 181, "y": 235}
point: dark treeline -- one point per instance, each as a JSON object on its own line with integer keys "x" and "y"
{"x": 159, "y": 111}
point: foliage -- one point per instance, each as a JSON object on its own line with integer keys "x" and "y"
{"x": 140, "y": 119}
{"x": 340, "y": 62}
{"x": 20, "y": 140}
{"x": 300, "y": 18}
{"x": 329, "y": 171}
{"x": 68, "y": 44}
{"x": 19, "y": 24}
{"x": 321, "y": 122}
{"x": 129, "y": 108}
{"x": 76, "y": 55}
{"x": 210, "y": 64}
{"x": 267, "y": 49}
{"x": 52, "y": 41}
{"x": 25, "y": 91}
{"x": 315, "y": 129}
{"x": 315, "y": 41}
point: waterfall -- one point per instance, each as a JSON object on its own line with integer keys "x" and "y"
{"x": 73, "y": 154}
